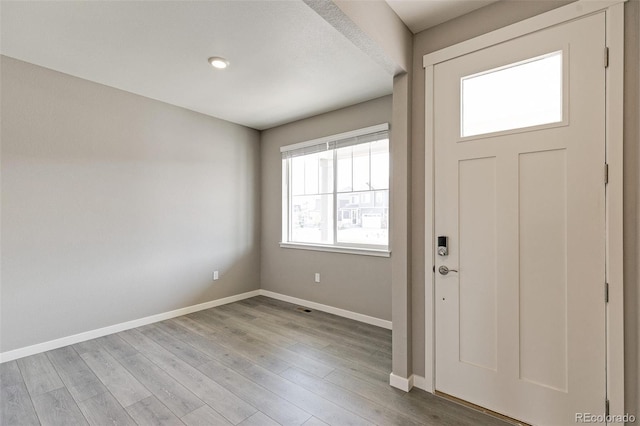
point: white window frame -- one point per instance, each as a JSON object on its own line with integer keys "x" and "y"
{"x": 351, "y": 248}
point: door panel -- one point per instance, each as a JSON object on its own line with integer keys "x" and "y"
{"x": 478, "y": 287}
{"x": 543, "y": 268}
{"x": 520, "y": 328}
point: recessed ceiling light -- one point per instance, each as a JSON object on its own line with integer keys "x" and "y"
{"x": 218, "y": 62}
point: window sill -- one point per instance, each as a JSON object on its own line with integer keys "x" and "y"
{"x": 338, "y": 249}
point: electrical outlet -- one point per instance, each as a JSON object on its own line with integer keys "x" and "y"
{"x": 317, "y": 277}
{"x": 215, "y": 275}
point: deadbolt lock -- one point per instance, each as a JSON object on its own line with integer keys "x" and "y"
{"x": 443, "y": 249}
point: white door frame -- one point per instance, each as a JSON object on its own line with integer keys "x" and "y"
{"x": 614, "y": 10}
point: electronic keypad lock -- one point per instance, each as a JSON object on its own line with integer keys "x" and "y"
{"x": 443, "y": 248}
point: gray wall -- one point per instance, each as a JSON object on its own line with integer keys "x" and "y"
{"x": 116, "y": 207}
{"x": 489, "y": 18}
{"x": 356, "y": 283}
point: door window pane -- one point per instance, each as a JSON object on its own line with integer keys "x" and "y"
{"x": 519, "y": 95}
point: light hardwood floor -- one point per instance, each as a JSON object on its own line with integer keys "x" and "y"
{"x": 255, "y": 362}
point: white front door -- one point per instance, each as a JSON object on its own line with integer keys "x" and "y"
{"x": 519, "y": 134}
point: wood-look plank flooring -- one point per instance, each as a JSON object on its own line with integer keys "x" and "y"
{"x": 257, "y": 362}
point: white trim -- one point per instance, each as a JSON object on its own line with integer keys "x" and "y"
{"x": 331, "y": 138}
{"x": 421, "y": 383}
{"x": 614, "y": 123}
{"x": 400, "y": 382}
{"x": 614, "y": 207}
{"x": 338, "y": 249}
{"x": 329, "y": 309}
{"x": 414, "y": 381}
{"x": 429, "y": 234}
{"x": 554, "y": 17}
{"x": 88, "y": 335}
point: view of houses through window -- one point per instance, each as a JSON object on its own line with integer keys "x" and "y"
{"x": 337, "y": 192}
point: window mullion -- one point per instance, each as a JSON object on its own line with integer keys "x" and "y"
{"x": 287, "y": 194}
{"x": 335, "y": 195}
{"x": 352, "y": 186}
{"x": 370, "y": 180}
{"x": 290, "y": 200}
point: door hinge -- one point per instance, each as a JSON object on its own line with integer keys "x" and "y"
{"x": 606, "y": 408}
{"x": 606, "y": 57}
{"x": 606, "y": 173}
{"x": 606, "y": 292}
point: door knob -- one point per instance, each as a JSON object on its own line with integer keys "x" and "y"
{"x": 444, "y": 270}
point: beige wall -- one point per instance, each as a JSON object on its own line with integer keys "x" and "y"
{"x": 117, "y": 207}
{"x": 495, "y": 16}
{"x": 356, "y": 283}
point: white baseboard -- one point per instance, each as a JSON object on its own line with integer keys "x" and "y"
{"x": 421, "y": 383}
{"x": 93, "y": 334}
{"x": 88, "y": 335}
{"x": 407, "y": 384}
{"x": 329, "y": 309}
{"x": 401, "y": 383}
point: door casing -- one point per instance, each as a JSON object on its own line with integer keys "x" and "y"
{"x": 614, "y": 10}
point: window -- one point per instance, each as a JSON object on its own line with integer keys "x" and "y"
{"x": 335, "y": 191}
{"x": 515, "y": 96}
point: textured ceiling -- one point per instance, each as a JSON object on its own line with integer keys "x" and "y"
{"x": 287, "y": 62}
